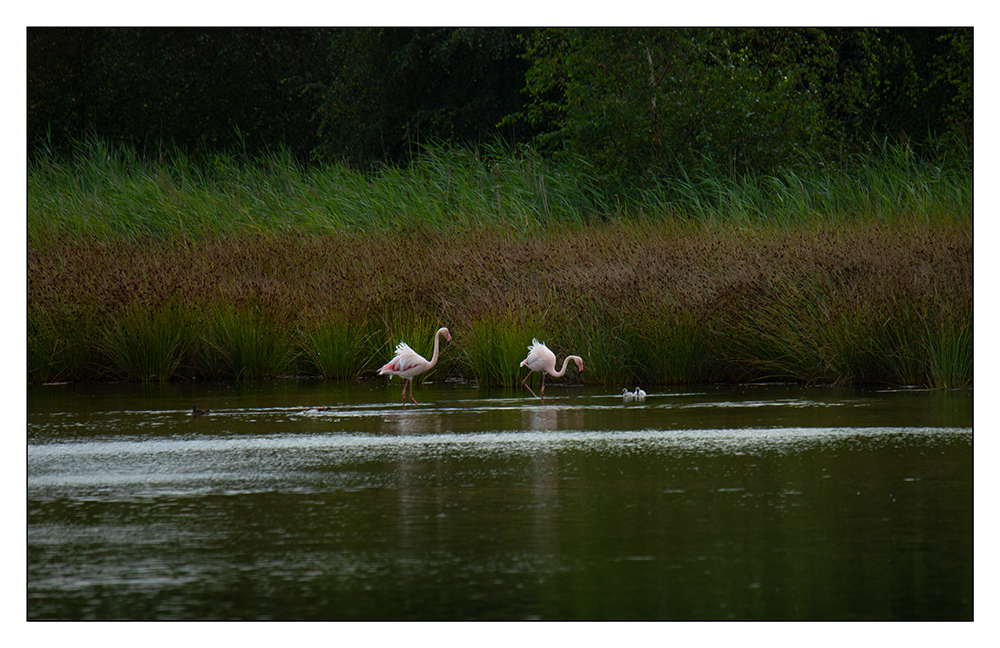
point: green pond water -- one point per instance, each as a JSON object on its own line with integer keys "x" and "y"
{"x": 309, "y": 499}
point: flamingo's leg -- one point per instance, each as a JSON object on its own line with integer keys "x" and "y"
{"x": 525, "y": 383}
{"x": 543, "y": 387}
{"x": 405, "y": 383}
{"x": 411, "y": 394}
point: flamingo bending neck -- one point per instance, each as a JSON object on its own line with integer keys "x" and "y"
{"x": 562, "y": 372}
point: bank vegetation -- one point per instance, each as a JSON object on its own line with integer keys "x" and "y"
{"x": 173, "y": 270}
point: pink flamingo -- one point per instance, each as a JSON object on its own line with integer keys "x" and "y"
{"x": 540, "y": 358}
{"x": 408, "y": 363}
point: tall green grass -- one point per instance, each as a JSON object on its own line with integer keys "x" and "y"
{"x": 670, "y": 347}
{"x": 145, "y": 346}
{"x": 497, "y": 343}
{"x": 62, "y": 346}
{"x": 949, "y": 355}
{"x": 247, "y": 343}
{"x": 815, "y": 334}
{"x": 108, "y": 191}
{"x": 338, "y": 348}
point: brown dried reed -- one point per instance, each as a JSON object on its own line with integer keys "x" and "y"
{"x": 831, "y": 303}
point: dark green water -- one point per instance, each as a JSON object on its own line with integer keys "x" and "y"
{"x": 702, "y": 503}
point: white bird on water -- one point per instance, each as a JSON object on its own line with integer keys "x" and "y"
{"x": 639, "y": 394}
{"x": 627, "y": 396}
{"x": 408, "y": 363}
{"x": 540, "y": 358}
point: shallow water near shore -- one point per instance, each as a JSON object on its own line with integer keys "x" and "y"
{"x": 310, "y": 499}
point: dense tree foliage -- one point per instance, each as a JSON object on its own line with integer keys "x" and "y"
{"x": 198, "y": 89}
{"x": 634, "y": 100}
{"x": 391, "y": 89}
{"x": 641, "y": 102}
{"x": 632, "y": 103}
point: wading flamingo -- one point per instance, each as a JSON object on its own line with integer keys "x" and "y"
{"x": 408, "y": 363}
{"x": 540, "y": 358}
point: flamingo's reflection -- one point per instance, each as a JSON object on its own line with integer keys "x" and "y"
{"x": 551, "y": 419}
{"x": 405, "y": 422}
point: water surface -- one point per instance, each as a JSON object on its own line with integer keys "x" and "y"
{"x": 307, "y": 499}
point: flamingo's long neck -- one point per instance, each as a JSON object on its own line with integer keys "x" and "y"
{"x": 437, "y": 347}
{"x": 562, "y": 372}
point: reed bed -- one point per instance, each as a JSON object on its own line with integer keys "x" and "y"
{"x": 643, "y": 304}
{"x": 168, "y": 269}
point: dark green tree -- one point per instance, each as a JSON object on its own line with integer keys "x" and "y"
{"x": 641, "y": 102}
{"x": 919, "y": 84}
{"x": 632, "y": 103}
{"x": 61, "y": 95}
{"x": 200, "y": 89}
{"x": 952, "y": 73}
{"x": 390, "y": 90}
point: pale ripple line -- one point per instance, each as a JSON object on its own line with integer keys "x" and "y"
{"x": 119, "y": 447}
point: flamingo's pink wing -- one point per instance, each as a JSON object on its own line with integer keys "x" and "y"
{"x": 406, "y": 364}
{"x": 540, "y": 358}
